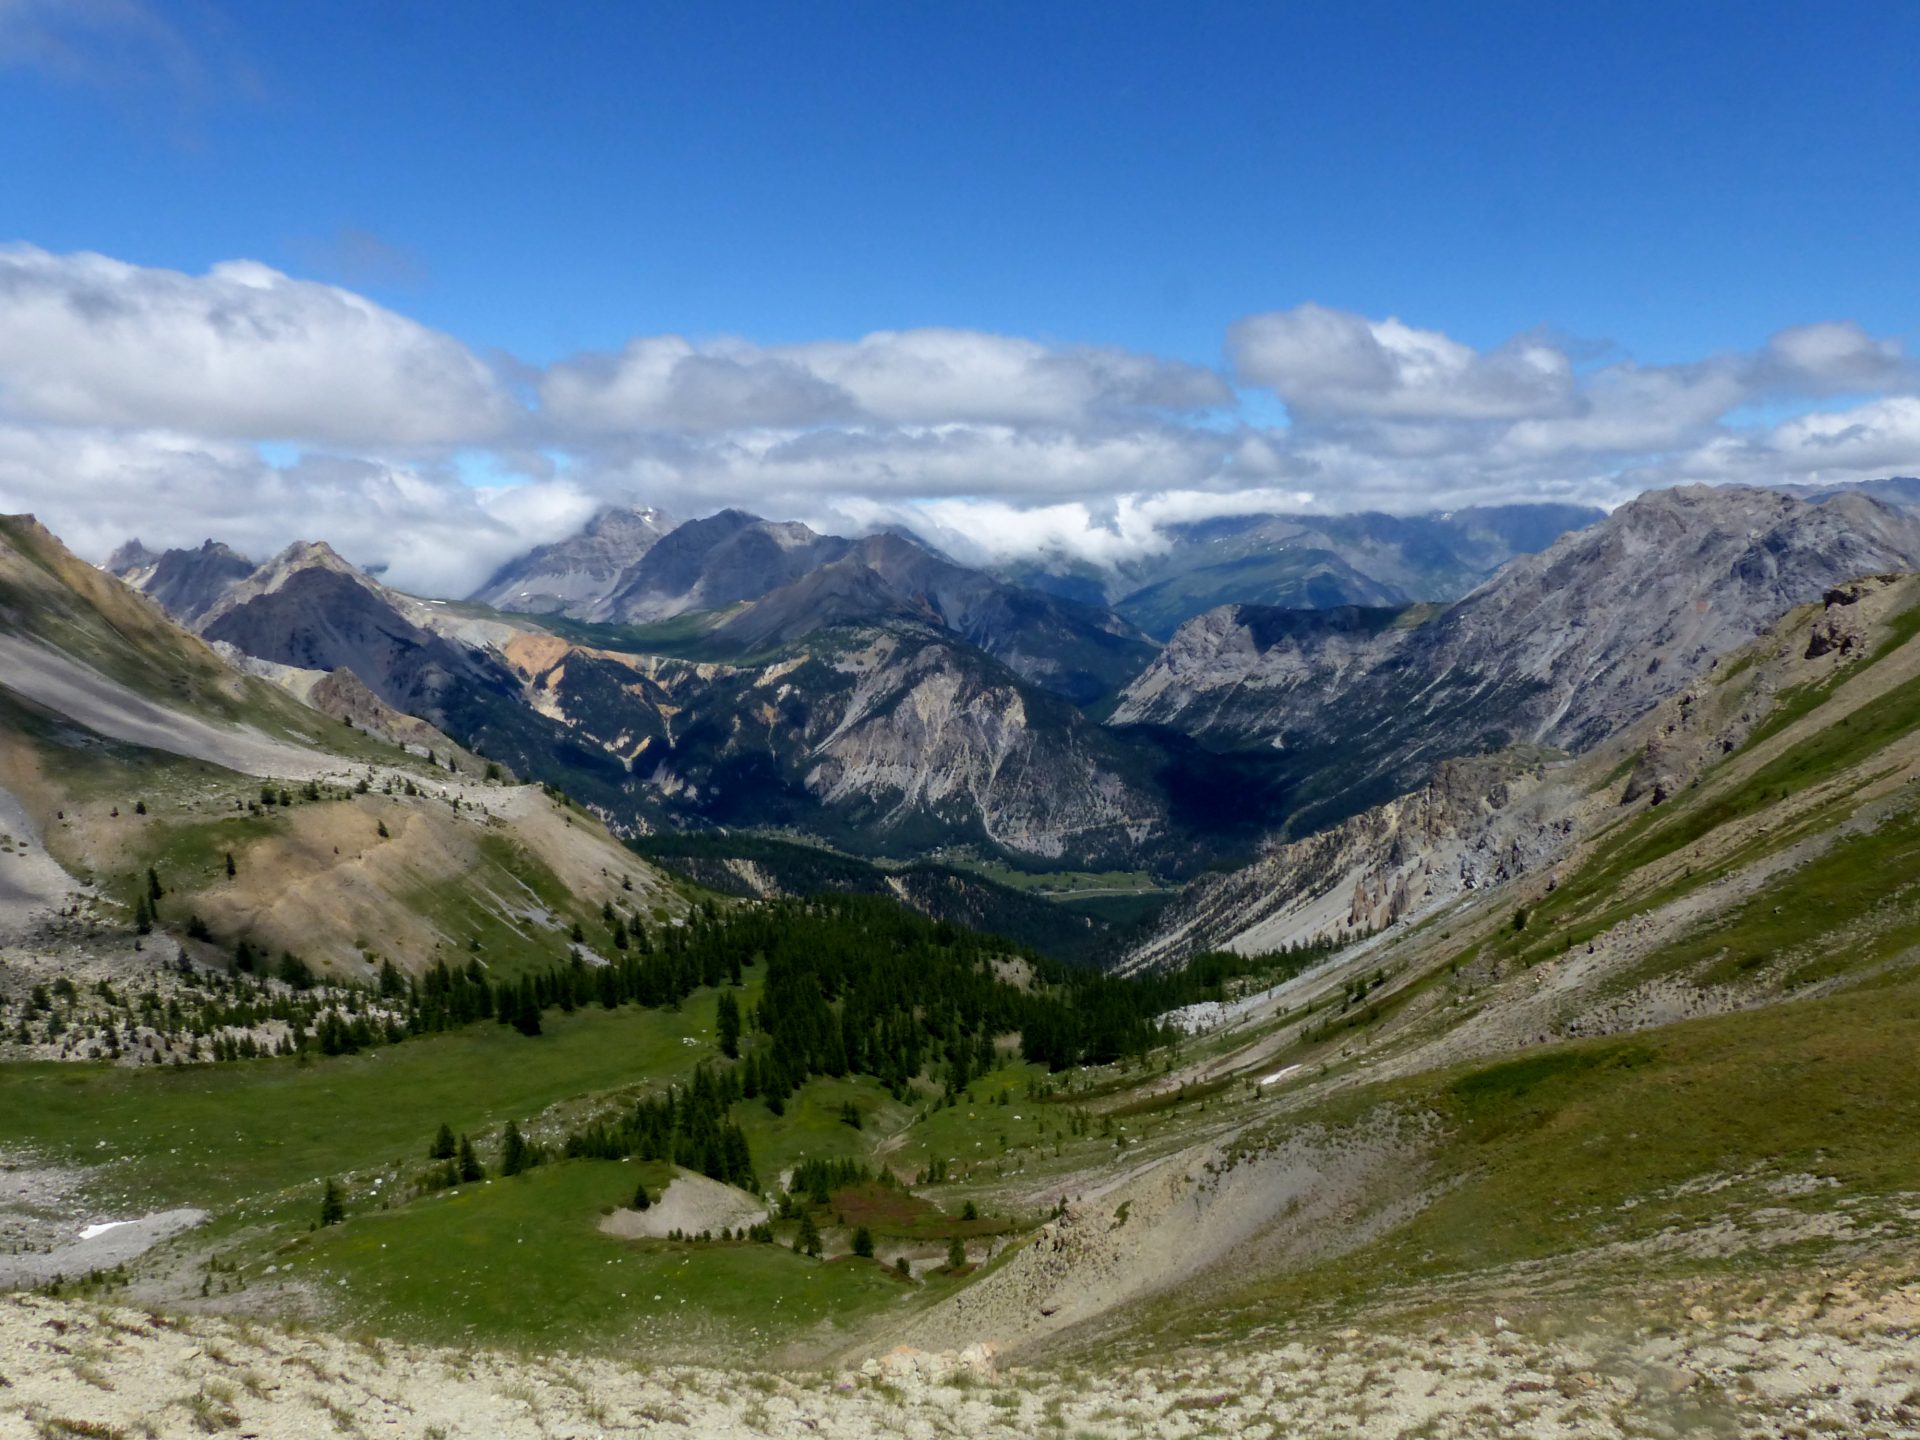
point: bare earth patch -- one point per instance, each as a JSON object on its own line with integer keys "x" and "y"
{"x": 692, "y": 1205}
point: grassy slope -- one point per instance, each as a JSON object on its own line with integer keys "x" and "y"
{"x": 1720, "y": 1145}
{"x": 1622, "y": 1161}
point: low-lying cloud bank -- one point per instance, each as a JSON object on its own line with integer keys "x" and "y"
{"x": 259, "y": 407}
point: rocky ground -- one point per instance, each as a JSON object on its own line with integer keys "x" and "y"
{"x": 1837, "y": 1360}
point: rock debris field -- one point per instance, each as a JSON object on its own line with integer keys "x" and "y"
{"x": 1838, "y": 1367}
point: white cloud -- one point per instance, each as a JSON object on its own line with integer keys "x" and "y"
{"x": 134, "y": 400}
{"x": 1880, "y": 437}
{"x": 242, "y": 352}
{"x": 1832, "y": 356}
{"x": 1630, "y": 410}
{"x": 431, "y": 532}
{"x": 903, "y": 378}
{"x": 1326, "y": 362}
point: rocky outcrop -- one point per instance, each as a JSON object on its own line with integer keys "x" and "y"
{"x": 1477, "y": 823}
{"x": 1247, "y": 671}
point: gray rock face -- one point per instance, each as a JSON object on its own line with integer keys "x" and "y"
{"x": 1561, "y": 648}
{"x": 572, "y": 576}
{"x": 884, "y": 740}
{"x": 1478, "y": 822}
{"x": 308, "y": 608}
{"x": 712, "y": 563}
{"x": 1073, "y": 650}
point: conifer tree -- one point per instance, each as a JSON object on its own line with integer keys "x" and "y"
{"x": 469, "y": 1162}
{"x": 526, "y": 1014}
{"x": 956, "y": 1254}
{"x": 333, "y": 1206}
{"x": 232, "y": 870}
{"x": 863, "y": 1243}
{"x": 154, "y": 892}
{"x": 513, "y": 1151}
{"x": 443, "y": 1143}
{"x": 642, "y": 1200}
{"x": 727, "y": 1022}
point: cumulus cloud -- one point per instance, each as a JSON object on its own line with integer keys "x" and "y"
{"x": 142, "y": 401}
{"x": 904, "y": 377}
{"x": 1832, "y": 356}
{"x": 242, "y": 352}
{"x": 428, "y": 530}
{"x": 1326, "y": 362}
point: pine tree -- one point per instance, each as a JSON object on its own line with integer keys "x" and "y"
{"x": 469, "y": 1162}
{"x": 642, "y": 1200}
{"x": 154, "y": 892}
{"x": 333, "y": 1206}
{"x": 513, "y": 1151}
{"x": 727, "y": 1022}
{"x": 807, "y": 1242}
{"x": 956, "y": 1254}
{"x": 142, "y": 916}
{"x": 443, "y": 1143}
{"x": 380, "y": 829}
{"x": 526, "y": 1014}
{"x": 232, "y": 870}
{"x": 863, "y": 1243}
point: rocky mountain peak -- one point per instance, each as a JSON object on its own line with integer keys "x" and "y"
{"x": 571, "y": 576}
{"x": 132, "y": 555}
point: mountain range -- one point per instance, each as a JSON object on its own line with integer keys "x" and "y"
{"x": 1308, "y": 562}
{"x": 875, "y": 694}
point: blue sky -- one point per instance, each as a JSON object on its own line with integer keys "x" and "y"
{"x": 1634, "y": 191}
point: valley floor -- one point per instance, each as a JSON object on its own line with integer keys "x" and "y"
{"x": 1836, "y": 1357}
